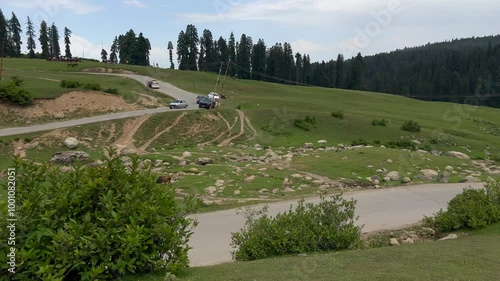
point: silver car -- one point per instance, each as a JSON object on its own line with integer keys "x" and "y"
{"x": 178, "y": 104}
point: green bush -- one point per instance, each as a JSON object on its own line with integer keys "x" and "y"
{"x": 338, "y": 114}
{"x": 305, "y": 124}
{"x": 410, "y": 126}
{"x": 276, "y": 131}
{"x": 71, "y": 84}
{"x": 12, "y": 92}
{"x": 402, "y": 143}
{"x": 328, "y": 225}
{"x": 359, "y": 142}
{"x": 379, "y": 122}
{"x": 95, "y": 223}
{"x": 473, "y": 208}
{"x": 113, "y": 91}
{"x": 92, "y": 86}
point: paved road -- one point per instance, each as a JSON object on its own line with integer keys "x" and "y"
{"x": 165, "y": 88}
{"x": 377, "y": 209}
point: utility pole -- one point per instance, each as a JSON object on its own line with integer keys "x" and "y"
{"x": 227, "y": 68}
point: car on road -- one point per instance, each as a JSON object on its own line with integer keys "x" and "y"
{"x": 214, "y": 96}
{"x": 206, "y": 102}
{"x": 198, "y": 99}
{"x": 153, "y": 84}
{"x": 178, "y": 104}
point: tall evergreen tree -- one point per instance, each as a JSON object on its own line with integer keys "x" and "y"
{"x": 243, "y": 58}
{"x": 355, "y": 75}
{"x": 339, "y": 71}
{"x": 141, "y": 50}
{"x": 223, "y": 53}
{"x": 56, "y": 50}
{"x": 104, "y": 56}
{"x": 67, "y": 43}
{"x": 298, "y": 68}
{"x": 288, "y": 62}
{"x": 30, "y": 38}
{"x": 232, "y": 54}
{"x": 192, "y": 40}
{"x": 114, "y": 50}
{"x": 306, "y": 69}
{"x": 170, "y": 48}
{"x": 44, "y": 40}
{"x": 208, "y": 59}
{"x": 126, "y": 45}
{"x": 259, "y": 59}
{"x": 3, "y": 32}
{"x": 15, "y": 36}
{"x": 182, "y": 51}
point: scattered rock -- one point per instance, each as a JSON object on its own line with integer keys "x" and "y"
{"x": 406, "y": 180}
{"x": 408, "y": 241}
{"x": 322, "y": 142}
{"x": 211, "y": 190}
{"x": 249, "y": 179}
{"x": 376, "y": 182}
{"x": 296, "y": 176}
{"x": 471, "y": 179}
{"x": 71, "y": 143}
{"x": 490, "y": 179}
{"x": 219, "y": 183}
{"x": 187, "y": 154}
{"x": 387, "y": 179}
{"x": 31, "y": 145}
{"x": 263, "y": 191}
{"x": 237, "y": 170}
{"x": 288, "y": 190}
{"x": 394, "y": 242}
{"x": 237, "y": 192}
{"x": 275, "y": 191}
{"x": 389, "y": 161}
{"x": 394, "y": 175}
{"x": 444, "y": 177}
{"x": 449, "y": 168}
{"x": 458, "y": 155}
{"x": 68, "y": 157}
{"x": 429, "y": 173}
{"x": 204, "y": 161}
{"x": 416, "y": 142}
{"x": 308, "y": 145}
{"x": 450, "y": 237}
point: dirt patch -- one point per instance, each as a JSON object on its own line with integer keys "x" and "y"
{"x": 242, "y": 129}
{"x": 146, "y": 100}
{"x": 19, "y": 149}
{"x": 108, "y": 70}
{"x": 69, "y": 103}
{"x": 129, "y": 130}
{"x": 150, "y": 141}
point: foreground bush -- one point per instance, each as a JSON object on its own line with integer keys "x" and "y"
{"x": 328, "y": 225}
{"x": 379, "y": 122}
{"x": 95, "y": 223}
{"x": 473, "y": 208}
{"x": 338, "y": 114}
{"x": 92, "y": 86}
{"x": 13, "y": 92}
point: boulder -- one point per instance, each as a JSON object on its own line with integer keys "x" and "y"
{"x": 471, "y": 179}
{"x": 249, "y": 179}
{"x": 288, "y": 190}
{"x": 308, "y": 145}
{"x": 458, "y": 155}
{"x": 449, "y": 168}
{"x": 204, "y": 161}
{"x": 406, "y": 180}
{"x": 31, "y": 145}
{"x": 186, "y": 154}
{"x": 237, "y": 192}
{"x": 429, "y": 173}
{"x": 394, "y": 175}
{"x": 449, "y": 237}
{"x": 394, "y": 242}
{"x": 322, "y": 142}
{"x": 68, "y": 157}
{"x": 71, "y": 143}
{"x": 387, "y": 179}
{"x": 211, "y": 189}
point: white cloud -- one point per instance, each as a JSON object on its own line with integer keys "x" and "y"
{"x": 53, "y": 7}
{"x": 82, "y": 46}
{"x": 134, "y": 3}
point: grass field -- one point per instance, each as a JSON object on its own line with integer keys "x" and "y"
{"x": 474, "y": 256}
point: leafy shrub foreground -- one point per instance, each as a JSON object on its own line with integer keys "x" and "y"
{"x": 328, "y": 225}
{"x": 410, "y": 126}
{"x": 473, "y": 208}
{"x": 13, "y": 92}
{"x": 95, "y": 223}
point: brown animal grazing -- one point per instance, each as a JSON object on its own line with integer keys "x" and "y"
{"x": 164, "y": 179}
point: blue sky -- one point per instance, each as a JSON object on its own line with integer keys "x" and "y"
{"x": 321, "y": 28}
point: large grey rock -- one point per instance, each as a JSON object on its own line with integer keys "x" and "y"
{"x": 31, "y": 145}
{"x": 458, "y": 155}
{"x": 394, "y": 242}
{"x": 394, "y": 175}
{"x": 71, "y": 143}
{"x": 187, "y": 154}
{"x": 204, "y": 161}
{"x": 68, "y": 157}
{"x": 429, "y": 173}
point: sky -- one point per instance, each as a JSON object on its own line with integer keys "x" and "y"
{"x": 320, "y": 28}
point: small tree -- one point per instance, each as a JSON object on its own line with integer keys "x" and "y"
{"x": 30, "y": 34}
{"x": 104, "y": 55}
{"x": 67, "y": 42}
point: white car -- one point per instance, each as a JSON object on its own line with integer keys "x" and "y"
{"x": 153, "y": 84}
{"x": 178, "y": 104}
{"x": 214, "y": 95}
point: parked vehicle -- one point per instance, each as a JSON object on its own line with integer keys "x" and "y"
{"x": 214, "y": 96}
{"x": 198, "y": 99}
{"x": 206, "y": 102}
{"x": 153, "y": 84}
{"x": 178, "y": 104}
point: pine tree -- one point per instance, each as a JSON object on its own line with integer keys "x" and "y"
{"x": 243, "y": 57}
{"x": 207, "y": 60}
{"x": 339, "y": 71}
{"x": 15, "y": 36}
{"x": 30, "y": 35}
{"x": 44, "y": 40}
{"x": 104, "y": 55}
{"x": 182, "y": 51}
{"x": 223, "y": 53}
{"x": 170, "y": 55}
{"x": 114, "y": 49}
{"x": 298, "y": 68}
{"x": 192, "y": 40}
{"x": 259, "y": 59}
{"x": 67, "y": 43}
{"x": 56, "y": 50}
{"x": 3, "y": 32}
{"x": 288, "y": 62}
{"x": 232, "y": 54}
